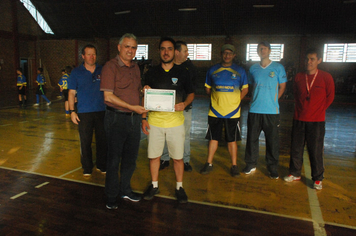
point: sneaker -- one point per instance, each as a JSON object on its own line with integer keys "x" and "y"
{"x": 163, "y": 164}
{"x": 36, "y": 104}
{"x": 112, "y": 205}
{"x": 150, "y": 192}
{"x": 206, "y": 169}
{"x": 86, "y": 175}
{"x": 248, "y": 170}
{"x": 133, "y": 197}
{"x": 273, "y": 174}
{"x": 291, "y": 178}
{"x": 103, "y": 172}
{"x": 187, "y": 167}
{"x": 318, "y": 185}
{"x": 181, "y": 196}
{"x": 234, "y": 171}
{"x": 49, "y": 103}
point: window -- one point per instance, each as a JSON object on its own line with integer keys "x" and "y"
{"x": 339, "y": 52}
{"x": 142, "y": 51}
{"x": 37, "y": 16}
{"x": 199, "y": 51}
{"x": 277, "y": 52}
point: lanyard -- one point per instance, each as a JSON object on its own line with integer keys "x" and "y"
{"x": 311, "y": 84}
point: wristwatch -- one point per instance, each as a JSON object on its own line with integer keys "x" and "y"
{"x": 70, "y": 111}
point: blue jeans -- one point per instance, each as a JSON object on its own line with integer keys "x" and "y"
{"x": 123, "y": 135}
{"x": 187, "y": 126}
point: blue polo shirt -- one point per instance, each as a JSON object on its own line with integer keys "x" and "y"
{"x": 87, "y": 85}
{"x": 265, "y": 84}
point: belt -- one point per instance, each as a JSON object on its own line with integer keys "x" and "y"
{"x": 121, "y": 112}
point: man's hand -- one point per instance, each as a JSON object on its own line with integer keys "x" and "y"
{"x": 74, "y": 117}
{"x": 145, "y": 127}
{"x": 179, "y": 107}
{"x": 138, "y": 109}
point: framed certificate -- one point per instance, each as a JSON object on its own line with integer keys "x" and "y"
{"x": 160, "y": 100}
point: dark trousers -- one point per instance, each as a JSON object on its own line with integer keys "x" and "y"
{"x": 269, "y": 124}
{"x": 88, "y": 123}
{"x": 311, "y": 133}
{"x": 123, "y": 133}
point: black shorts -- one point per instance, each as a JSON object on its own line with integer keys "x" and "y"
{"x": 232, "y": 129}
{"x": 41, "y": 90}
{"x": 65, "y": 94}
{"x": 22, "y": 91}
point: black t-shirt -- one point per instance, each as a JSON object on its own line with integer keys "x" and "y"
{"x": 177, "y": 78}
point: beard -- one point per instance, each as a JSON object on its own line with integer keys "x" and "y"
{"x": 167, "y": 62}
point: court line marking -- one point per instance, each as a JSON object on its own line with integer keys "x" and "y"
{"x": 192, "y": 201}
{"x": 18, "y": 195}
{"x": 41, "y": 185}
{"x": 69, "y": 172}
{"x": 317, "y": 216}
{"x": 6, "y": 125}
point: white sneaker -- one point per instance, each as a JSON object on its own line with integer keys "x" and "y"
{"x": 318, "y": 185}
{"x": 36, "y": 104}
{"x": 49, "y": 103}
{"x": 291, "y": 178}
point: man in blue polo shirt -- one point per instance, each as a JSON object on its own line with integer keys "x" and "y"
{"x": 267, "y": 80}
{"x": 85, "y": 82}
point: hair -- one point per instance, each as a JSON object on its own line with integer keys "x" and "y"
{"x": 88, "y": 46}
{"x": 40, "y": 69}
{"x": 63, "y": 70}
{"x": 314, "y": 51}
{"x": 163, "y": 39}
{"x": 264, "y": 43}
{"x": 19, "y": 69}
{"x": 68, "y": 69}
{"x": 129, "y": 36}
{"x": 179, "y": 44}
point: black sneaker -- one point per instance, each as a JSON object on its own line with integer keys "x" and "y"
{"x": 112, "y": 205}
{"x": 273, "y": 174}
{"x": 248, "y": 170}
{"x": 234, "y": 171}
{"x": 181, "y": 196}
{"x": 206, "y": 169}
{"x": 150, "y": 192}
{"x": 133, "y": 197}
{"x": 187, "y": 167}
{"x": 163, "y": 164}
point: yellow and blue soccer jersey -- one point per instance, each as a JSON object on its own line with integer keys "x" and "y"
{"x": 226, "y": 84}
{"x": 40, "y": 79}
{"x": 265, "y": 83}
{"x": 21, "y": 80}
{"x": 63, "y": 82}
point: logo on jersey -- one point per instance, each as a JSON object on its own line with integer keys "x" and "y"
{"x": 233, "y": 76}
{"x": 175, "y": 81}
{"x": 272, "y": 74}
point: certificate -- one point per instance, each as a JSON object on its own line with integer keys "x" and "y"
{"x": 160, "y": 100}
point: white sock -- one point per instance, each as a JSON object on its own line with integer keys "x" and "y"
{"x": 155, "y": 184}
{"x": 179, "y": 184}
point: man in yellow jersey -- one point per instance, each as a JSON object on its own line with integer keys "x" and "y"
{"x": 227, "y": 85}
{"x": 167, "y": 127}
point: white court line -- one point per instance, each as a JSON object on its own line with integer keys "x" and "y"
{"x": 18, "y": 195}
{"x": 23, "y": 121}
{"x": 317, "y": 216}
{"x": 41, "y": 185}
{"x": 5, "y": 125}
{"x": 61, "y": 176}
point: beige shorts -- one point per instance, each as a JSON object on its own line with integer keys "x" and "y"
{"x": 175, "y": 141}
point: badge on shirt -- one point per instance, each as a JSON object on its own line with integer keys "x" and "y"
{"x": 272, "y": 74}
{"x": 233, "y": 76}
{"x": 175, "y": 81}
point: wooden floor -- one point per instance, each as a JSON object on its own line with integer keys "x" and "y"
{"x": 43, "y": 191}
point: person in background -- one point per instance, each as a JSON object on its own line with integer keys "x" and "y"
{"x": 21, "y": 86}
{"x": 63, "y": 85}
{"x": 41, "y": 88}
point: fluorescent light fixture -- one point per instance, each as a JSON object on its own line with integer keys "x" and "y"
{"x": 188, "y": 9}
{"x": 263, "y": 6}
{"x": 122, "y": 12}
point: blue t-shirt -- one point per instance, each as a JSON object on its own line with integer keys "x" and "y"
{"x": 63, "y": 82}
{"x": 87, "y": 85}
{"x": 21, "y": 80}
{"x": 265, "y": 84}
{"x": 226, "y": 84}
{"x": 40, "y": 79}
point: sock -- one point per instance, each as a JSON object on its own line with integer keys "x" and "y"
{"x": 179, "y": 184}
{"x": 155, "y": 184}
{"x": 67, "y": 112}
